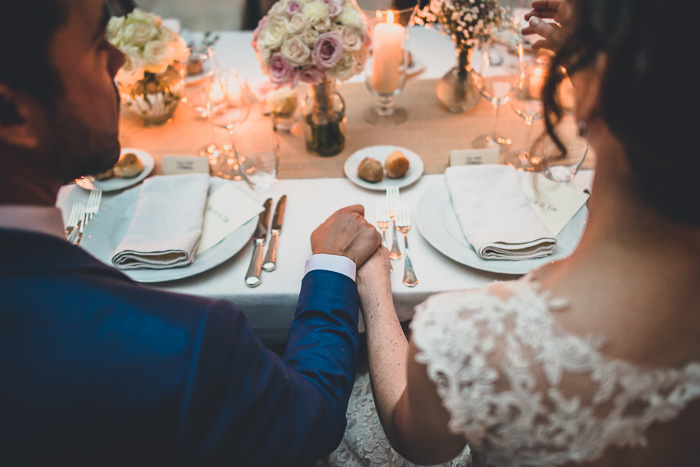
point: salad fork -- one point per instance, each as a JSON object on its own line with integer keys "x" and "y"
{"x": 393, "y": 205}
{"x": 76, "y": 227}
{"x": 382, "y": 218}
{"x": 409, "y": 275}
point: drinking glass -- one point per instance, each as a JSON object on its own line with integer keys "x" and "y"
{"x": 494, "y": 75}
{"x": 560, "y": 167}
{"x": 257, "y": 152}
{"x": 526, "y": 101}
{"x": 230, "y": 106}
{"x": 201, "y": 62}
{"x": 385, "y": 72}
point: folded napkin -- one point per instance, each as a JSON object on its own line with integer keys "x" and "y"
{"x": 167, "y": 224}
{"x": 495, "y": 215}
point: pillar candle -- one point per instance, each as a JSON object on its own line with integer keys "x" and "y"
{"x": 387, "y": 52}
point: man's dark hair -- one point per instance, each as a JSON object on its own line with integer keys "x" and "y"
{"x": 26, "y": 29}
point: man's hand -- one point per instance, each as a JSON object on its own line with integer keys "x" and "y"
{"x": 346, "y": 233}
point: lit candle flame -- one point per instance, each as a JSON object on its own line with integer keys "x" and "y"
{"x": 390, "y": 17}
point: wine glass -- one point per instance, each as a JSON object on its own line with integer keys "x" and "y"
{"x": 560, "y": 166}
{"x": 385, "y": 72}
{"x": 526, "y": 101}
{"x": 230, "y": 106}
{"x": 258, "y": 154}
{"x": 494, "y": 75}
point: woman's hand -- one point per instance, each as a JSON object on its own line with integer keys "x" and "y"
{"x": 552, "y": 33}
{"x": 373, "y": 281}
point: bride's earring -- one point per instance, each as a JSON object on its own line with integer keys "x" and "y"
{"x": 582, "y": 127}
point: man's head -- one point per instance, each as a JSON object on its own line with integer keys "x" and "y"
{"x": 59, "y": 107}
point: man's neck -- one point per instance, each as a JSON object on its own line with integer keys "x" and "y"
{"x": 20, "y": 184}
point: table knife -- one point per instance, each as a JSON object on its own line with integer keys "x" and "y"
{"x": 270, "y": 262}
{"x": 252, "y": 277}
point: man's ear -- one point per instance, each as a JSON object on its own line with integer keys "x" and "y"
{"x": 17, "y": 118}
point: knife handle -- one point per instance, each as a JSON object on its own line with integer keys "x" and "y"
{"x": 270, "y": 262}
{"x": 252, "y": 277}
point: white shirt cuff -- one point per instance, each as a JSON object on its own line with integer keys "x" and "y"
{"x": 335, "y": 263}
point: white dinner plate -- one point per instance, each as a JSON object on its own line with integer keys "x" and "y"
{"x": 116, "y": 183}
{"x": 380, "y": 153}
{"x": 439, "y": 225}
{"x": 107, "y": 229}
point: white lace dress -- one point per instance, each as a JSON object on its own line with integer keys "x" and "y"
{"x": 522, "y": 390}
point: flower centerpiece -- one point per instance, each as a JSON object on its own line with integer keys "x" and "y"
{"x": 468, "y": 22}
{"x": 315, "y": 42}
{"x": 151, "y": 81}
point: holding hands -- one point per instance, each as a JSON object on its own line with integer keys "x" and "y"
{"x": 346, "y": 233}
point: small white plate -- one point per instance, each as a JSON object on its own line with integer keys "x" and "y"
{"x": 380, "y": 153}
{"x": 116, "y": 183}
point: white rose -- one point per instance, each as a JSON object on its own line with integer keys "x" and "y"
{"x": 295, "y": 51}
{"x": 322, "y": 24}
{"x": 156, "y": 55}
{"x": 309, "y": 37}
{"x": 139, "y": 32}
{"x": 360, "y": 61}
{"x": 178, "y": 49}
{"x": 275, "y": 32}
{"x": 142, "y": 15}
{"x": 350, "y": 39}
{"x": 297, "y": 23}
{"x": 345, "y": 68}
{"x": 277, "y": 9}
{"x": 132, "y": 69}
{"x": 351, "y": 17}
{"x": 115, "y": 30}
{"x": 315, "y": 11}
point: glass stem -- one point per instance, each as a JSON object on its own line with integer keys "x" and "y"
{"x": 496, "y": 108}
{"x": 526, "y": 150}
{"x": 385, "y": 105}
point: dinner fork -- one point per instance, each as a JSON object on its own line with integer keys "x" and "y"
{"x": 393, "y": 204}
{"x": 93, "y": 204}
{"x": 74, "y": 234}
{"x": 382, "y": 218}
{"x": 75, "y": 213}
{"x": 409, "y": 275}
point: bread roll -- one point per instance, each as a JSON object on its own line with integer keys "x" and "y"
{"x": 370, "y": 170}
{"x": 396, "y": 165}
{"x": 128, "y": 166}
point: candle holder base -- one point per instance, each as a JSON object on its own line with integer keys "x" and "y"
{"x": 374, "y": 117}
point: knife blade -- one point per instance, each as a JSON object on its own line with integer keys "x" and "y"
{"x": 252, "y": 277}
{"x": 270, "y": 262}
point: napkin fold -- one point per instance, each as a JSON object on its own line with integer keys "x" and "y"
{"x": 167, "y": 224}
{"x": 495, "y": 215}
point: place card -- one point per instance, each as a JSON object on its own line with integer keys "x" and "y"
{"x": 554, "y": 203}
{"x": 227, "y": 209}
{"x": 178, "y": 165}
{"x": 473, "y": 156}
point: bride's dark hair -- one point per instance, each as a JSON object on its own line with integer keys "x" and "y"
{"x": 649, "y": 94}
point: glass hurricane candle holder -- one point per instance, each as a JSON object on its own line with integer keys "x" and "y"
{"x": 385, "y": 72}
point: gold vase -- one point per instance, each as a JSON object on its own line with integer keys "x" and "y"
{"x": 154, "y": 97}
{"x": 456, "y": 89}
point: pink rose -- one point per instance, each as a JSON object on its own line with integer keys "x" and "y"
{"x": 293, "y": 7}
{"x": 311, "y": 75}
{"x": 281, "y": 72}
{"x": 328, "y": 50}
{"x": 334, "y": 7}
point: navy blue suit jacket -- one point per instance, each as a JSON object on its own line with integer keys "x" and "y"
{"x": 96, "y": 369}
